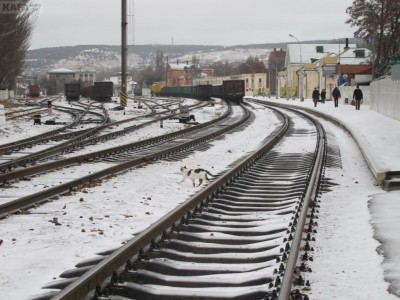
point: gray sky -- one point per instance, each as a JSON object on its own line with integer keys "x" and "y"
{"x": 201, "y": 22}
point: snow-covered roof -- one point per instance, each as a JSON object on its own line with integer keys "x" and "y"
{"x": 349, "y": 57}
{"x": 180, "y": 66}
{"x": 61, "y": 70}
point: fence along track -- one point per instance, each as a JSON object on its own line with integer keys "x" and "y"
{"x": 215, "y": 218}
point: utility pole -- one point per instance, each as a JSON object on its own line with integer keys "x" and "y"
{"x": 124, "y": 52}
{"x": 166, "y": 72}
{"x": 301, "y": 71}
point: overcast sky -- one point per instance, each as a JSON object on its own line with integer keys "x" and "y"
{"x": 201, "y": 22}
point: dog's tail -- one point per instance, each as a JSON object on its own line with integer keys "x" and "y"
{"x": 210, "y": 173}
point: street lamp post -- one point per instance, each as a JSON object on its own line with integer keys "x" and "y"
{"x": 276, "y": 79}
{"x": 269, "y": 82}
{"x": 253, "y": 81}
{"x": 301, "y": 75}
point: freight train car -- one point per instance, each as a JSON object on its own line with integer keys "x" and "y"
{"x": 203, "y": 91}
{"x": 103, "y": 90}
{"x": 177, "y": 91}
{"x": 230, "y": 90}
{"x": 72, "y": 91}
{"x": 100, "y": 91}
{"x": 87, "y": 91}
{"x": 233, "y": 90}
{"x": 217, "y": 91}
{"x": 33, "y": 91}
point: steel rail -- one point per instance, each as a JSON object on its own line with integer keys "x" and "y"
{"x": 89, "y": 280}
{"x": 79, "y": 140}
{"x": 311, "y": 193}
{"x": 6, "y": 177}
{"x": 21, "y": 143}
{"x": 42, "y": 196}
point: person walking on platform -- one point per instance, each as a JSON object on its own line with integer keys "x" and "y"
{"x": 323, "y": 96}
{"x": 358, "y": 96}
{"x": 336, "y": 95}
{"x": 315, "y": 96}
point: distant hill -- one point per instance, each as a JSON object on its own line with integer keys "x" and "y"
{"x": 106, "y": 57}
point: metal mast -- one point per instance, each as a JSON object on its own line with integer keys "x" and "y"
{"x": 124, "y": 52}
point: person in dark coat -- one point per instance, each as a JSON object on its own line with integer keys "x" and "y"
{"x": 358, "y": 96}
{"x": 336, "y": 95}
{"x": 323, "y": 96}
{"x": 315, "y": 96}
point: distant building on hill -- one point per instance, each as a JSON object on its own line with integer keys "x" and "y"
{"x": 184, "y": 74}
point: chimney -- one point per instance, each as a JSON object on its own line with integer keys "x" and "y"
{"x": 347, "y": 45}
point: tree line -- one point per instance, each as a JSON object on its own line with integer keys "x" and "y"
{"x": 377, "y": 22}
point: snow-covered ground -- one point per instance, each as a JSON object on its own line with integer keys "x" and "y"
{"x": 369, "y": 216}
{"x": 346, "y": 263}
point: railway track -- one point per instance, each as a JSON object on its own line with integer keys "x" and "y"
{"x": 74, "y": 140}
{"x": 238, "y": 238}
{"x": 77, "y": 116}
{"x": 142, "y": 151}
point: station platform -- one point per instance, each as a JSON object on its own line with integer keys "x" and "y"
{"x": 377, "y": 136}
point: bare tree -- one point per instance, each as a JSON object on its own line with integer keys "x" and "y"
{"x": 195, "y": 61}
{"x": 159, "y": 70}
{"x": 378, "y": 23}
{"x": 276, "y": 63}
{"x": 15, "y": 32}
{"x": 251, "y": 65}
{"x": 222, "y": 68}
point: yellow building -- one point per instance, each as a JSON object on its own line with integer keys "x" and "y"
{"x": 301, "y": 75}
{"x": 255, "y": 83}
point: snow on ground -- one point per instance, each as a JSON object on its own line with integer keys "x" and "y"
{"x": 105, "y": 216}
{"x": 370, "y": 211}
{"x": 345, "y": 252}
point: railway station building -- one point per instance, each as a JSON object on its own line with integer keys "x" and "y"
{"x": 185, "y": 74}
{"x": 322, "y": 66}
{"x": 58, "y": 77}
{"x": 255, "y": 84}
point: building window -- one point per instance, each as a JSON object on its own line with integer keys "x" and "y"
{"x": 359, "y": 53}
